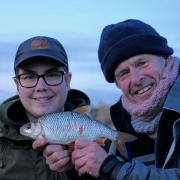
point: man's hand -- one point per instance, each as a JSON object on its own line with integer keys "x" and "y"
{"x": 88, "y": 157}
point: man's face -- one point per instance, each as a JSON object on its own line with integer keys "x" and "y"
{"x": 139, "y": 76}
{"x": 43, "y": 99}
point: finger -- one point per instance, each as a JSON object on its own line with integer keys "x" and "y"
{"x": 61, "y": 164}
{"x": 82, "y": 143}
{"x": 79, "y": 153}
{"x": 49, "y": 149}
{"x": 56, "y": 156}
{"x": 90, "y": 147}
{"x": 83, "y": 170}
{"x": 78, "y": 163}
{"x": 39, "y": 143}
{"x": 88, "y": 169}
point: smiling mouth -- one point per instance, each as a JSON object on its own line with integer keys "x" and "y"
{"x": 42, "y": 98}
{"x": 142, "y": 91}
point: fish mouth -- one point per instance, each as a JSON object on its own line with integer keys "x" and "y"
{"x": 25, "y": 129}
{"x": 32, "y": 130}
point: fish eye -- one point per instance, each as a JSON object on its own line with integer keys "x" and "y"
{"x": 28, "y": 126}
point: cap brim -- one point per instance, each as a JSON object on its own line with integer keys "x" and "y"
{"x": 28, "y": 58}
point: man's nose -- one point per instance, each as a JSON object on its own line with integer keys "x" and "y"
{"x": 136, "y": 76}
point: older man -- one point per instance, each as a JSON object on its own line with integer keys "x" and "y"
{"x": 138, "y": 59}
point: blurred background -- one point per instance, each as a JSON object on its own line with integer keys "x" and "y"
{"x": 77, "y": 24}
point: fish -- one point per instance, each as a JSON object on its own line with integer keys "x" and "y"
{"x": 66, "y": 127}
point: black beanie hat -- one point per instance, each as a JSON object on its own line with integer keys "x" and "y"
{"x": 126, "y": 39}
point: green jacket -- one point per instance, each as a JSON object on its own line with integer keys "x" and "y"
{"x": 18, "y": 160}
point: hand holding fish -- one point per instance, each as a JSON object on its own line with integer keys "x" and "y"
{"x": 40, "y": 143}
{"x": 87, "y": 157}
{"x": 57, "y": 156}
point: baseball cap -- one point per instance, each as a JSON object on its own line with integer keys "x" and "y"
{"x": 41, "y": 46}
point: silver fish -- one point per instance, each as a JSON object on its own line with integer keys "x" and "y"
{"x": 66, "y": 127}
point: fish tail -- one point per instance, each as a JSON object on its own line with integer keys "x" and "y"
{"x": 121, "y": 140}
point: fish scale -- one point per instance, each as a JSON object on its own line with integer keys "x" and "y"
{"x": 73, "y": 126}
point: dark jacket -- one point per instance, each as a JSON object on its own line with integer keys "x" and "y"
{"x": 18, "y": 161}
{"x": 147, "y": 158}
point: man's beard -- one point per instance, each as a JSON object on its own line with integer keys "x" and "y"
{"x": 147, "y": 110}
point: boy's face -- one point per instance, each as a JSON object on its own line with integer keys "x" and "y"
{"x": 42, "y": 99}
{"x": 139, "y": 76}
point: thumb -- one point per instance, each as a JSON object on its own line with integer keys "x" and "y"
{"x": 79, "y": 144}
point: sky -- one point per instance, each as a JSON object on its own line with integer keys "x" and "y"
{"x": 77, "y": 24}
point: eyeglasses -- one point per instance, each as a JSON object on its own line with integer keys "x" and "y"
{"x": 30, "y": 80}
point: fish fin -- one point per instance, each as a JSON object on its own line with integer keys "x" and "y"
{"x": 71, "y": 146}
{"x": 83, "y": 110}
{"x": 121, "y": 140}
{"x": 101, "y": 141}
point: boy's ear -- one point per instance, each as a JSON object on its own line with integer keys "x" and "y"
{"x": 68, "y": 77}
{"x": 16, "y": 82}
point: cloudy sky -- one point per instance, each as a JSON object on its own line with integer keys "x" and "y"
{"x": 77, "y": 24}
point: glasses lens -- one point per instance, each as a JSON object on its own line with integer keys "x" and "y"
{"x": 28, "y": 80}
{"x": 54, "y": 78}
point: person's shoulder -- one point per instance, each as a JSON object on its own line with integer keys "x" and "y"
{"x": 10, "y": 100}
{"x": 9, "y": 105}
{"x": 13, "y": 102}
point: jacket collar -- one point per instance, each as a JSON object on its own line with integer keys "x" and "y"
{"x": 172, "y": 102}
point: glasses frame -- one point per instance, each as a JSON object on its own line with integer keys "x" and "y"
{"x": 38, "y": 77}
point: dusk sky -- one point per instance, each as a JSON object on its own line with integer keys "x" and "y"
{"x": 77, "y": 24}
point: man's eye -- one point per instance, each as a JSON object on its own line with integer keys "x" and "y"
{"x": 121, "y": 74}
{"x": 141, "y": 63}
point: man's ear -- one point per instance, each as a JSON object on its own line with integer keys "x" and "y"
{"x": 167, "y": 59}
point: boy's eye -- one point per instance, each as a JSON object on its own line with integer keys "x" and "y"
{"x": 28, "y": 76}
{"x": 53, "y": 74}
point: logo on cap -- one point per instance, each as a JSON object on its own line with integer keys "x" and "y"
{"x": 39, "y": 44}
